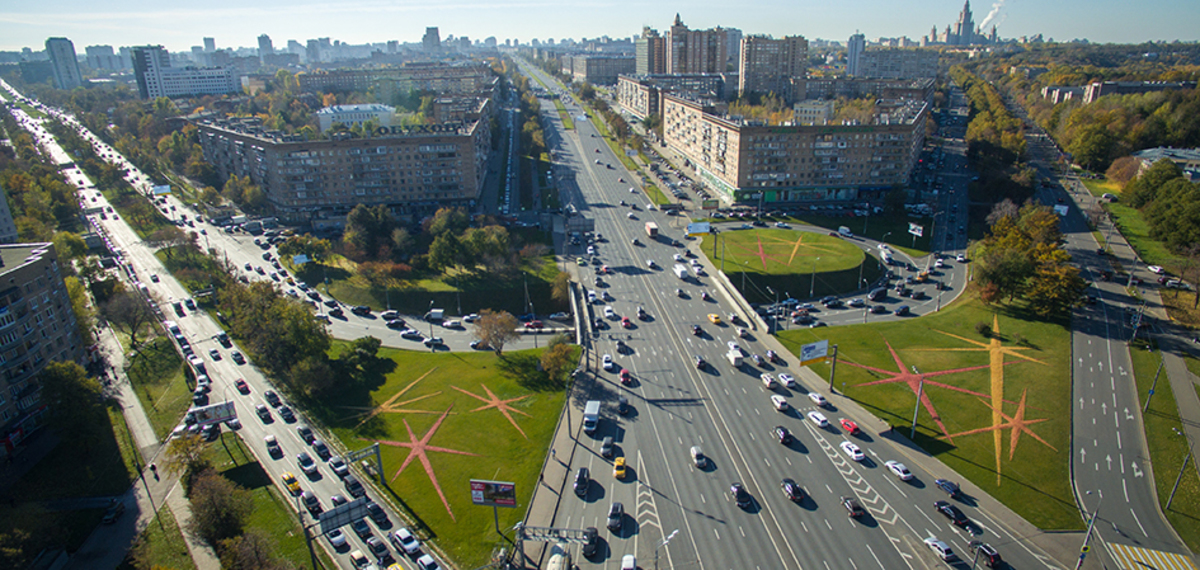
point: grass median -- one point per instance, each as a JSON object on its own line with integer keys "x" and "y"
{"x": 973, "y": 404}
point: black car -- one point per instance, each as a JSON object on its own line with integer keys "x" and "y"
{"x": 986, "y": 553}
{"x": 879, "y": 309}
{"x": 696, "y": 330}
{"x": 785, "y": 437}
{"x": 377, "y": 514}
{"x": 322, "y": 450}
{"x": 361, "y": 310}
{"x": 700, "y": 363}
{"x": 312, "y": 503}
{"x": 616, "y": 515}
{"x": 739, "y": 494}
{"x": 379, "y": 550}
{"x": 306, "y": 433}
{"x": 792, "y": 489}
{"x": 950, "y": 487}
{"x": 853, "y": 509}
{"x": 224, "y": 340}
{"x": 272, "y": 398}
{"x": 592, "y": 542}
{"x": 902, "y": 310}
{"x": 622, "y": 405}
{"x": 361, "y": 528}
{"x": 287, "y": 414}
{"x": 583, "y": 479}
{"x": 952, "y": 512}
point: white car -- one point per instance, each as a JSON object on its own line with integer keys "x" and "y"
{"x": 853, "y": 451}
{"x": 884, "y": 247}
{"x": 1157, "y": 270}
{"x": 960, "y": 258}
{"x": 743, "y": 333}
{"x": 939, "y": 264}
{"x": 608, "y": 362}
{"x": 941, "y": 549}
{"x": 768, "y": 380}
{"x": 787, "y": 379}
{"x": 899, "y": 469}
{"x": 678, "y": 257}
{"x": 650, "y": 263}
{"x": 779, "y": 402}
{"x": 818, "y": 399}
{"x": 782, "y": 225}
{"x": 629, "y": 215}
{"x": 857, "y": 303}
{"x": 733, "y": 346}
{"x": 818, "y": 418}
{"x": 629, "y": 562}
{"x": 609, "y": 313}
{"x": 475, "y": 316}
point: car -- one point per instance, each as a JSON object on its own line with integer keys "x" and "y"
{"x": 339, "y": 467}
{"x": 433, "y": 341}
{"x": 190, "y": 304}
{"x": 758, "y": 360}
{"x": 287, "y": 414}
{"x": 607, "y": 361}
{"x": 902, "y": 310}
{"x": 899, "y": 469}
{"x": 113, "y": 512}
{"x": 583, "y": 480}
{"x": 337, "y": 538}
{"x": 264, "y": 413}
{"x": 782, "y": 433}
{"x": 713, "y": 317}
{"x": 787, "y": 379}
{"x": 960, "y": 257}
{"x": 852, "y": 506}
{"x": 379, "y": 550}
{"x": 852, "y": 451}
{"x": 412, "y": 334}
{"x": 1157, "y": 270}
{"x": 535, "y": 325}
{"x": 818, "y": 399}
{"x": 941, "y": 549}
{"x": 606, "y": 447}
{"x": 951, "y": 512}
{"x": 312, "y": 503}
{"x": 377, "y": 514}
{"x": 233, "y": 424}
{"x": 858, "y": 302}
{"x": 650, "y": 263}
{"x": 849, "y": 426}
{"x": 241, "y": 386}
{"x": 772, "y": 356}
{"x": 404, "y": 541}
{"x": 290, "y": 481}
{"x": 779, "y": 402}
{"x": 697, "y": 331}
{"x": 609, "y": 313}
{"x": 306, "y": 463}
{"x": 306, "y": 433}
{"x": 321, "y": 450}
{"x": 426, "y": 562}
{"x": 361, "y": 528}
{"x": 626, "y": 323}
{"x": 985, "y": 552}
{"x": 791, "y": 489}
{"x": 950, "y": 487}
{"x": 641, "y": 314}
{"x": 619, "y": 468}
{"x": 739, "y": 495}
{"x": 154, "y": 278}
{"x": 626, "y": 377}
{"x": 818, "y": 418}
{"x": 214, "y": 354}
{"x": 272, "y": 398}
{"x": 615, "y": 518}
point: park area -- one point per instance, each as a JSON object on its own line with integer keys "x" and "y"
{"x": 995, "y": 403}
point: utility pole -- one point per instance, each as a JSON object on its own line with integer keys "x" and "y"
{"x": 1088, "y": 535}
{"x": 833, "y": 368}
{"x": 917, "y": 406}
{"x": 1154, "y": 385}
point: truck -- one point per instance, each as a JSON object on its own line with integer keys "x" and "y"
{"x": 435, "y": 315}
{"x": 239, "y": 220}
{"x": 735, "y": 358}
{"x": 652, "y": 229}
{"x": 591, "y": 416}
{"x": 254, "y": 227}
{"x": 681, "y": 270}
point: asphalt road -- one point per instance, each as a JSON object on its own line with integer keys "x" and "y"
{"x": 727, "y": 412}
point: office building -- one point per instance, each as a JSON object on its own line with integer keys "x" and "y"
{"x": 431, "y": 41}
{"x": 350, "y": 115}
{"x": 898, "y": 64}
{"x": 695, "y": 51}
{"x": 8, "y": 228}
{"x": 65, "y": 65}
{"x": 598, "y": 69}
{"x": 414, "y": 170}
{"x": 751, "y": 161}
{"x": 157, "y": 78}
{"x": 813, "y": 112}
{"x": 733, "y": 48}
{"x": 210, "y": 45}
{"x": 37, "y": 326}
{"x": 771, "y": 66}
{"x": 264, "y": 46}
{"x": 854, "y": 50}
{"x": 650, "y": 51}
{"x": 103, "y": 58}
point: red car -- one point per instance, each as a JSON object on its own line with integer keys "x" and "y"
{"x": 242, "y": 386}
{"x": 625, "y": 322}
{"x": 534, "y": 325}
{"x": 626, "y": 377}
{"x": 849, "y": 426}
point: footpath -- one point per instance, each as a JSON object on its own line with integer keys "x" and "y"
{"x": 107, "y": 545}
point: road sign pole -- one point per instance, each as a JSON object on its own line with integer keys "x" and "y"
{"x": 1178, "y": 479}
{"x": 1154, "y": 385}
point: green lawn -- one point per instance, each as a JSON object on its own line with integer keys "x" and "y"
{"x": 162, "y": 544}
{"x": 567, "y": 121}
{"x": 656, "y": 195}
{"x": 157, "y": 374}
{"x": 786, "y": 261}
{"x": 1033, "y": 479}
{"x": 1101, "y": 187}
{"x": 419, "y": 391}
{"x": 1167, "y": 448}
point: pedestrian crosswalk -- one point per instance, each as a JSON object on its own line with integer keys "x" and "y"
{"x": 1135, "y": 558}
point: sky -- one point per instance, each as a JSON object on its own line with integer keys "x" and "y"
{"x": 233, "y": 23}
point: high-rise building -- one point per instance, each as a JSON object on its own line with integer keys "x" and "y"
{"x": 8, "y": 228}
{"x": 431, "y": 41}
{"x": 103, "y": 57}
{"x": 733, "y": 46}
{"x": 695, "y": 51}
{"x": 898, "y": 64}
{"x": 264, "y": 46}
{"x": 157, "y": 78}
{"x": 650, "y": 50}
{"x": 66, "y": 66}
{"x": 294, "y": 47}
{"x": 37, "y": 327}
{"x": 855, "y": 47}
{"x": 210, "y": 45}
{"x": 312, "y": 51}
{"x": 769, "y": 65}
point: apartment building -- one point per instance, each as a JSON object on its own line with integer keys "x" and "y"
{"x": 753, "y": 162}
{"x": 898, "y": 64}
{"x": 157, "y": 78}
{"x": 350, "y": 115}
{"x": 769, "y": 65}
{"x": 695, "y": 51}
{"x": 37, "y": 326}
{"x": 650, "y": 51}
{"x": 465, "y": 77}
{"x": 598, "y": 69}
{"x": 64, "y": 63}
{"x": 639, "y": 95}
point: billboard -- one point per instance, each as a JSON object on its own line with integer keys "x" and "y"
{"x": 710, "y": 204}
{"x": 161, "y": 190}
{"x": 300, "y": 259}
{"x": 493, "y": 493}
{"x": 815, "y": 352}
{"x": 1061, "y": 209}
{"x": 211, "y": 414}
{"x": 699, "y": 229}
{"x": 916, "y": 230}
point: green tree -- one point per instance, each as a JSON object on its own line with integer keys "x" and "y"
{"x": 220, "y": 508}
{"x": 185, "y": 457}
{"x": 1054, "y": 288}
{"x": 129, "y": 313}
{"x": 560, "y": 290}
{"x": 556, "y": 359}
{"x": 496, "y": 329}
{"x": 69, "y": 246}
{"x": 445, "y": 251}
{"x": 76, "y": 402}
{"x": 253, "y": 550}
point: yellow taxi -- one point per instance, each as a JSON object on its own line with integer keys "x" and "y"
{"x": 714, "y": 318}
{"x": 289, "y": 480}
{"x": 619, "y": 468}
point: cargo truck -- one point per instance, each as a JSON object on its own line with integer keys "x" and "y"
{"x": 681, "y": 271}
{"x": 591, "y": 416}
{"x": 652, "y": 229}
{"x": 735, "y": 358}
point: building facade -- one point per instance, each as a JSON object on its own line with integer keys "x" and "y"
{"x": 103, "y": 57}
{"x": 432, "y": 40}
{"x": 695, "y": 51}
{"x": 1099, "y": 89}
{"x": 157, "y": 78}
{"x": 350, "y": 115}
{"x": 464, "y": 77}
{"x": 752, "y": 162}
{"x": 8, "y": 228}
{"x": 769, "y": 65}
{"x": 64, "y": 63}
{"x": 599, "y": 69}
{"x": 412, "y": 170}
{"x": 650, "y": 50}
{"x": 37, "y": 326}
{"x": 898, "y": 64}
{"x": 640, "y": 95}
{"x": 859, "y": 87}
{"x": 855, "y": 47}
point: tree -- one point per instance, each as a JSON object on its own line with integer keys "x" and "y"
{"x": 1003, "y": 209}
{"x": 85, "y": 316}
{"x": 560, "y": 290}
{"x": 496, "y": 329}
{"x": 220, "y": 508}
{"x": 361, "y": 354}
{"x": 251, "y": 551}
{"x": 1054, "y": 288}
{"x": 69, "y": 245}
{"x": 169, "y": 237}
{"x": 313, "y": 374}
{"x": 1123, "y": 170}
{"x": 185, "y": 456}
{"x": 128, "y": 312}
{"x": 445, "y": 251}
{"x": 76, "y": 402}
{"x": 555, "y": 359}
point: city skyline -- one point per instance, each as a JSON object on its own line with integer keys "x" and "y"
{"x": 234, "y": 24}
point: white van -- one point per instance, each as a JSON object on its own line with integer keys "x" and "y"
{"x": 845, "y": 231}
{"x": 452, "y": 324}
{"x": 768, "y": 381}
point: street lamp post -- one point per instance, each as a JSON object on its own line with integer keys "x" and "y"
{"x": 1191, "y": 451}
{"x": 812, "y": 285}
{"x": 429, "y": 318}
{"x": 917, "y": 406}
{"x": 662, "y": 544}
{"x": 775, "y": 323}
{"x": 1088, "y": 535}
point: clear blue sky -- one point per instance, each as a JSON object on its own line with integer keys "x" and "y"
{"x": 178, "y": 26}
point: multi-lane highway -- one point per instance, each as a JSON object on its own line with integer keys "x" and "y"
{"x": 727, "y": 412}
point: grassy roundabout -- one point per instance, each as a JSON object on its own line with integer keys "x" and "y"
{"x": 443, "y": 419}
{"x": 787, "y": 261}
{"x": 1002, "y": 400}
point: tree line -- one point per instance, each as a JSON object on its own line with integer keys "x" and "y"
{"x": 995, "y": 142}
{"x": 1023, "y": 256}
